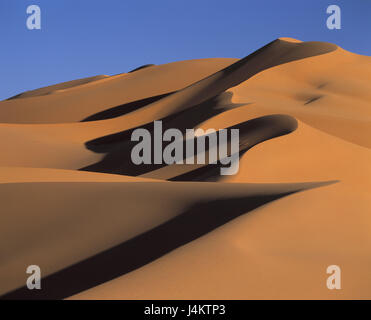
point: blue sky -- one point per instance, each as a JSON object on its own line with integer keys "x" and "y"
{"x": 81, "y": 38}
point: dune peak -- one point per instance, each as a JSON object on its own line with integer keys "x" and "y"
{"x": 287, "y": 39}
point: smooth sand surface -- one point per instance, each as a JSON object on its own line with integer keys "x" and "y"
{"x": 101, "y": 227}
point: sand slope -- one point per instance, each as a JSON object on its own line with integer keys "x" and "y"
{"x": 101, "y": 227}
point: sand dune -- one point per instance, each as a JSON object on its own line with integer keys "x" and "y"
{"x": 281, "y": 251}
{"x": 79, "y": 102}
{"x": 114, "y": 209}
{"x": 101, "y": 227}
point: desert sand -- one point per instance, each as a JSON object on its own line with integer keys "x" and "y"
{"x": 101, "y": 227}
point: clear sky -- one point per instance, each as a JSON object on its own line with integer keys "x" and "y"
{"x": 80, "y": 38}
